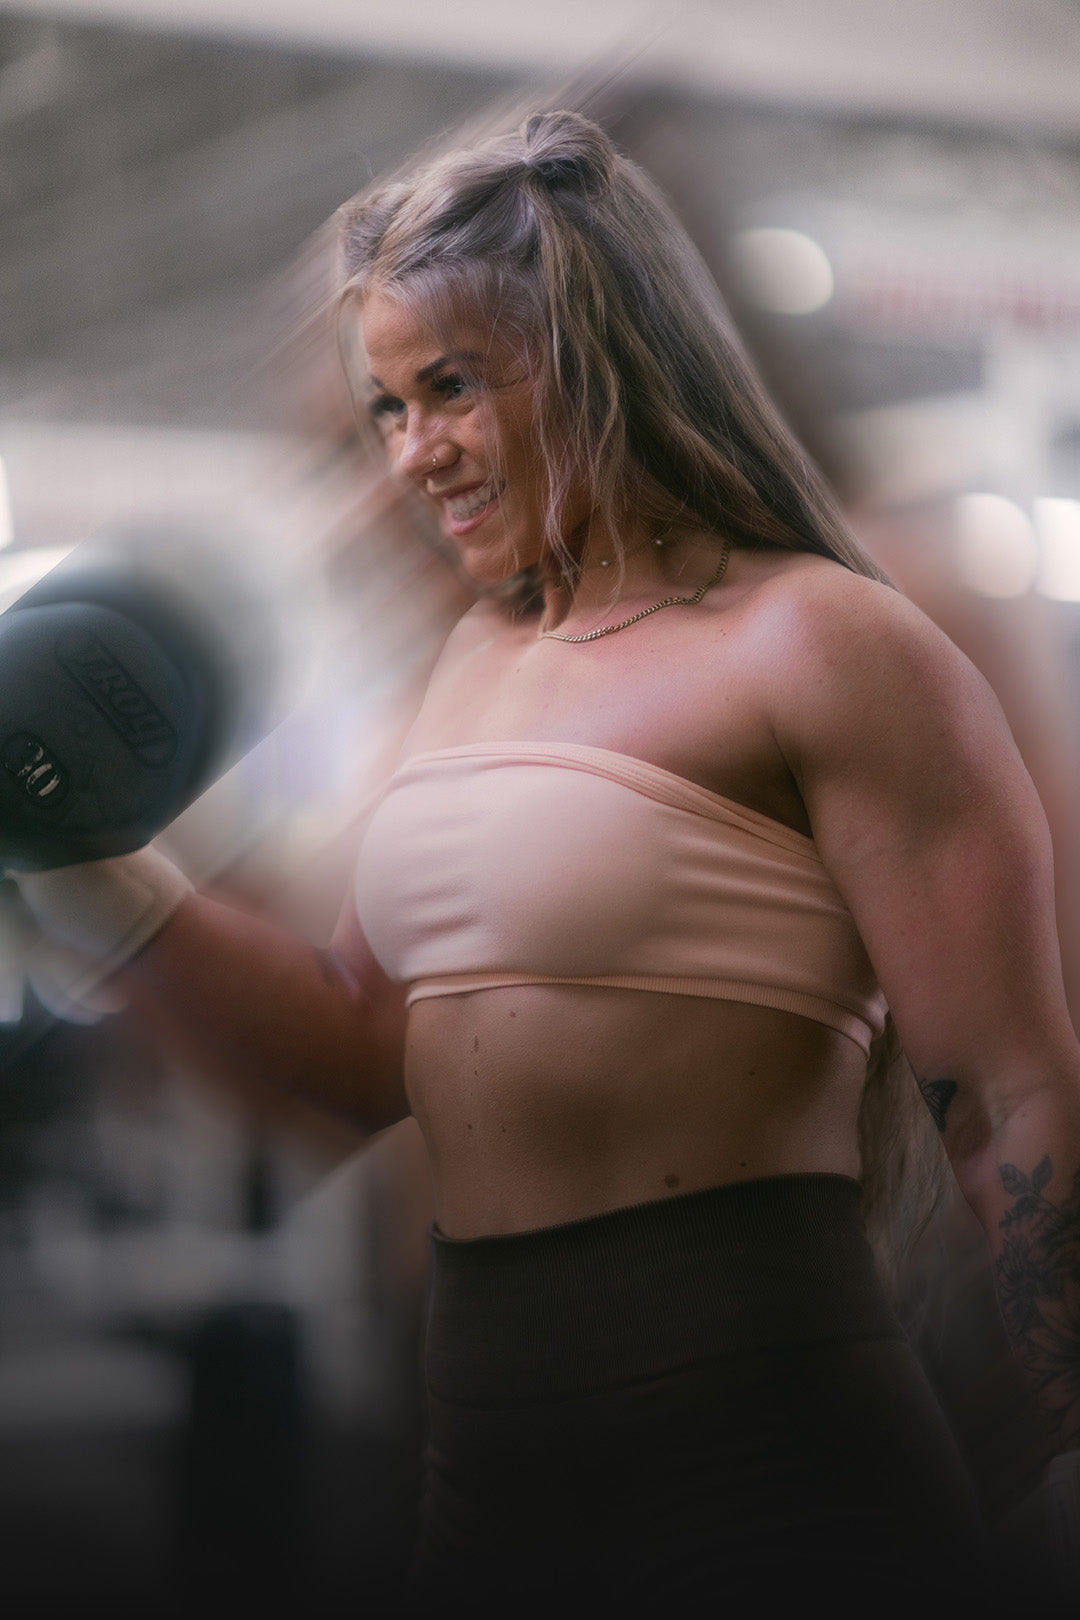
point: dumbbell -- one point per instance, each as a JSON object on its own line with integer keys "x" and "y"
{"x": 131, "y": 675}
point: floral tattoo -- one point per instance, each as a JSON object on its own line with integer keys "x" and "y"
{"x": 1037, "y": 1273}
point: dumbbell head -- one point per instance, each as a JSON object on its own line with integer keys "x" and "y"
{"x": 120, "y": 700}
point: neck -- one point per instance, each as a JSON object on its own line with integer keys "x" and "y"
{"x": 650, "y": 568}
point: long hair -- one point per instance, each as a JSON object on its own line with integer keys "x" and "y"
{"x": 641, "y": 389}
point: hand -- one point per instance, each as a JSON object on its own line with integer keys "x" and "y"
{"x": 66, "y": 982}
{"x": 66, "y": 932}
{"x": 69, "y": 984}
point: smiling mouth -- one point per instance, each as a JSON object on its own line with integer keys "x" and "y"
{"x": 461, "y": 508}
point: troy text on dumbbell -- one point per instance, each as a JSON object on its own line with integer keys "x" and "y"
{"x": 118, "y": 696}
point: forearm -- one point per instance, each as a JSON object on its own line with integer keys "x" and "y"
{"x": 1023, "y": 1182}
{"x": 277, "y": 1022}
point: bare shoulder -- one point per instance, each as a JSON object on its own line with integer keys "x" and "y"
{"x": 850, "y": 657}
{"x": 818, "y": 604}
{"x": 895, "y": 741}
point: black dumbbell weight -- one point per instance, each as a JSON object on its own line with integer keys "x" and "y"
{"x": 122, "y": 696}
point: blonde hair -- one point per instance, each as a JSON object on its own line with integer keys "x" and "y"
{"x": 642, "y": 389}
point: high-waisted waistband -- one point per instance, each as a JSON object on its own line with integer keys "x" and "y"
{"x": 636, "y": 1293}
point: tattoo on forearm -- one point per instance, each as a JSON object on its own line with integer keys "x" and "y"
{"x": 1038, "y": 1283}
{"x": 937, "y": 1095}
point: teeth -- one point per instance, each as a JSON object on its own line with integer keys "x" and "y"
{"x": 467, "y": 506}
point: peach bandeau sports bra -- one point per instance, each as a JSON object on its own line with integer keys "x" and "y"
{"x": 508, "y": 863}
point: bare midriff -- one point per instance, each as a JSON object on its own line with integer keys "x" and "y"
{"x": 542, "y": 1104}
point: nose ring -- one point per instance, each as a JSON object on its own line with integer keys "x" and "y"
{"x": 435, "y": 460}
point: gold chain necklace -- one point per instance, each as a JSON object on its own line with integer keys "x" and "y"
{"x": 669, "y": 601}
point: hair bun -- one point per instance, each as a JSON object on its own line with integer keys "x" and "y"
{"x": 569, "y": 153}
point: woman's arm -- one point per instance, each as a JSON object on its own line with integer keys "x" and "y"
{"x": 245, "y": 1003}
{"x": 932, "y": 831}
{"x": 281, "y": 1024}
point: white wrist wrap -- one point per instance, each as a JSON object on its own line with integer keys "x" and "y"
{"x": 106, "y": 910}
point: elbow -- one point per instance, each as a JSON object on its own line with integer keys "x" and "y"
{"x": 998, "y": 1129}
{"x": 967, "y": 1126}
{"x": 973, "y": 1158}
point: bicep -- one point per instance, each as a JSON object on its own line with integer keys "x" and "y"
{"x": 932, "y": 831}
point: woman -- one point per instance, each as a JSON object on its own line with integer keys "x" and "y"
{"x": 692, "y": 798}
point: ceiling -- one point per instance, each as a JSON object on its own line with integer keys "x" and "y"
{"x": 1000, "y": 61}
{"x": 164, "y": 169}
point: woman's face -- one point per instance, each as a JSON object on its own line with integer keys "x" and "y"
{"x": 456, "y": 416}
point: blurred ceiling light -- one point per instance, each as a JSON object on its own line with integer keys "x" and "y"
{"x": 782, "y": 271}
{"x": 7, "y": 526}
{"x": 1057, "y": 524}
{"x": 997, "y": 552}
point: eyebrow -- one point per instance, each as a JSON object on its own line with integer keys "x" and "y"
{"x": 455, "y": 357}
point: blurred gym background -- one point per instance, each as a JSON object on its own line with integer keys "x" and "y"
{"x": 209, "y": 1325}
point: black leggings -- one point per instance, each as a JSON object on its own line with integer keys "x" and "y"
{"x": 682, "y": 1406}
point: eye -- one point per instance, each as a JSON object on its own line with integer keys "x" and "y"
{"x": 450, "y": 385}
{"x": 385, "y": 406}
